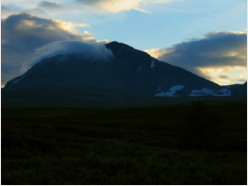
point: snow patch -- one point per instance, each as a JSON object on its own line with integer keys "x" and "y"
{"x": 210, "y": 92}
{"x": 16, "y": 81}
{"x": 202, "y": 92}
{"x": 222, "y": 92}
{"x": 176, "y": 87}
{"x": 172, "y": 91}
{"x": 152, "y": 64}
{"x": 161, "y": 94}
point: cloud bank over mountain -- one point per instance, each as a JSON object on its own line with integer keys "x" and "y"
{"x": 23, "y": 34}
{"x": 92, "y": 51}
{"x": 215, "y": 51}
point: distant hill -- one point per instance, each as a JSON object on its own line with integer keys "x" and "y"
{"x": 238, "y": 90}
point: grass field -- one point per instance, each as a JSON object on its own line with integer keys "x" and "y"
{"x": 121, "y": 146}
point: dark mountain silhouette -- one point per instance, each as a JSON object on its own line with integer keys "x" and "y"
{"x": 238, "y": 90}
{"x": 129, "y": 72}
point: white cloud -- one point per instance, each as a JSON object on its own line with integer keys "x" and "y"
{"x": 112, "y": 6}
{"x": 160, "y": 1}
{"x": 41, "y": 8}
{"x": 93, "y": 51}
{"x": 115, "y": 6}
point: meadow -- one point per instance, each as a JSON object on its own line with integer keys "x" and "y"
{"x": 152, "y": 145}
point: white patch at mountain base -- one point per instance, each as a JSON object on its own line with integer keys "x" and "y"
{"x": 160, "y": 94}
{"x": 222, "y": 92}
{"x": 202, "y": 92}
{"x": 140, "y": 68}
{"x": 152, "y": 64}
{"x": 210, "y": 92}
{"x": 16, "y": 81}
{"x": 176, "y": 87}
{"x": 172, "y": 91}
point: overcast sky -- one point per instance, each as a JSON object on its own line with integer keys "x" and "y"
{"x": 206, "y": 37}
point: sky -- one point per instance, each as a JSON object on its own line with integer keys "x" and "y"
{"x": 206, "y": 37}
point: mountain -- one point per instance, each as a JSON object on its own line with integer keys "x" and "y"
{"x": 237, "y": 90}
{"x": 129, "y": 72}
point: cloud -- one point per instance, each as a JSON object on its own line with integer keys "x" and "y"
{"x": 234, "y": 75}
{"x": 93, "y": 51}
{"x": 11, "y": 9}
{"x": 116, "y": 6}
{"x": 223, "y": 77}
{"x": 5, "y": 11}
{"x": 52, "y": 8}
{"x": 98, "y": 6}
{"x": 7, "y": 71}
{"x": 23, "y": 4}
{"x": 5, "y": 8}
{"x": 50, "y": 5}
{"x": 42, "y": 8}
{"x": 215, "y": 50}
{"x": 23, "y": 33}
{"x": 160, "y": 1}
{"x": 111, "y": 6}
{"x": 158, "y": 52}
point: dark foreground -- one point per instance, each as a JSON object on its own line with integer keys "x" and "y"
{"x": 124, "y": 146}
{"x": 95, "y": 97}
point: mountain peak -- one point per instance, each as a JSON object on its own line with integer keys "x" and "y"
{"x": 126, "y": 52}
{"x": 114, "y": 46}
{"x": 117, "y": 44}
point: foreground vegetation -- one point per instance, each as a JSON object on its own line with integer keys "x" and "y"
{"x": 125, "y": 146}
